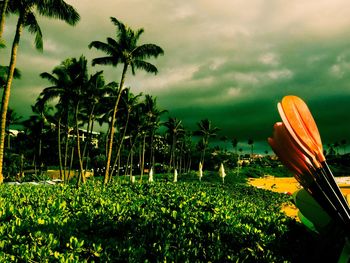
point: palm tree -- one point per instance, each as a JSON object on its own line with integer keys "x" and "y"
{"x": 152, "y": 121}
{"x": 59, "y": 89}
{"x": 124, "y": 49}
{"x": 251, "y": 143}
{"x": 343, "y": 143}
{"x": 76, "y": 79}
{"x": 175, "y": 129}
{"x": 79, "y": 78}
{"x": 25, "y": 9}
{"x": 68, "y": 82}
{"x": 129, "y": 103}
{"x": 34, "y": 127}
{"x": 224, "y": 139}
{"x": 136, "y": 128}
{"x": 207, "y": 131}
{"x": 234, "y": 143}
{"x": 93, "y": 95}
{"x": 187, "y": 150}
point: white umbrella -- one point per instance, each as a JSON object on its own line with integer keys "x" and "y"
{"x": 222, "y": 173}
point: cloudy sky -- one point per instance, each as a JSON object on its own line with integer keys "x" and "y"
{"x": 229, "y": 61}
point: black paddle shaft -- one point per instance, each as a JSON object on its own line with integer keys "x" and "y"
{"x": 322, "y": 198}
{"x": 335, "y": 186}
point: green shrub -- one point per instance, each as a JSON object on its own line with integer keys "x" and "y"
{"x": 182, "y": 222}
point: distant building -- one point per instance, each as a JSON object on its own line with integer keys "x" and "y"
{"x": 14, "y": 133}
{"x": 84, "y": 134}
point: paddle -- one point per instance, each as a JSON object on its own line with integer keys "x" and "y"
{"x": 298, "y": 163}
{"x": 302, "y": 127}
{"x": 305, "y": 127}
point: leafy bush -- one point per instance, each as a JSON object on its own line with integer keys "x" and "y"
{"x": 183, "y": 222}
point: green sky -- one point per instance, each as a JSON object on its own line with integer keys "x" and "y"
{"x": 227, "y": 60}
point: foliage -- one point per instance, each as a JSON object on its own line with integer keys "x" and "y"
{"x": 12, "y": 166}
{"x": 183, "y": 222}
{"x": 256, "y": 171}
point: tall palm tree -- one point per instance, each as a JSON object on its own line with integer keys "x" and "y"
{"x": 26, "y": 10}
{"x": 224, "y": 139}
{"x": 343, "y": 143}
{"x": 174, "y": 130}
{"x": 129, "y": 103}
{"x": 124, "y": 49}
{"x": 234, "y": 143}
{"x": 78, "y": 74}
{"x": 34, "y": 128}
{"x": 69, "y": 81}
{"x": 251, "y": 143}
{"x": 92, "y": 106}
{"x": 136, "y": 128}
{"x": 207, "y": 131}
{"x": 153, "y": 115}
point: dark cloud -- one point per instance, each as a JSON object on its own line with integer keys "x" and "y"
{"x": 228, "y": 61}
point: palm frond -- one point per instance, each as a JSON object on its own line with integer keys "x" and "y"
{"x": 99, "y": 45}
{"x": 34, "y": 28}
{"x": 104, "y": 61}
{"x": 146, "y": 66}
{"x": 51, "y": 78}
{"x": 121, "y": 27}
{"x": 58, "y": 9}
{"x": 147, "y": 51}
{"x": 138, "y": 33}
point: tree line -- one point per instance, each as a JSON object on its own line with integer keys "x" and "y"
{"x": 77, "y": 99}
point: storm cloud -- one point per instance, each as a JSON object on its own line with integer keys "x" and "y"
{"x": 228, "y": 61}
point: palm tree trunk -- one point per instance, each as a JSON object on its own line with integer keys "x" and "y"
{"x": 189, "y": 163}
{"x": 88, "y": 152}
{"x": 143, "y": 156}
{"x": 59, "y": 150}
{"x": 71, "y": 163}
{"x": 88, "y": 137}
{"x": 7, "y": 89}
{"x": 3, "y": 14}
{"x": 151, "y": 149}
{"x": 131, "y": 160}
{"x": 120, "y": 144}
{"x": 203, "y": 156}
{"x": 8, "y": 140}
{"x": 66, "y": 152}
{"x": 82, "y": 172}
{"x": 110, "y": 143}
{"x": 40, "y": 149}
{"x": 172, "y": 153}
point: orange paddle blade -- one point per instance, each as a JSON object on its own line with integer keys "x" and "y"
{"x": 297, "y": 140}
{"x": 303, "y": 124}
{"x": 289, "y": 154}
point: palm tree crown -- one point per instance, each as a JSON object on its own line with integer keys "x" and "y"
{"x": 124, "y": 49}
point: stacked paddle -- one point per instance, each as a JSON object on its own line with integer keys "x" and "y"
{"x": 297, "y": 142}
